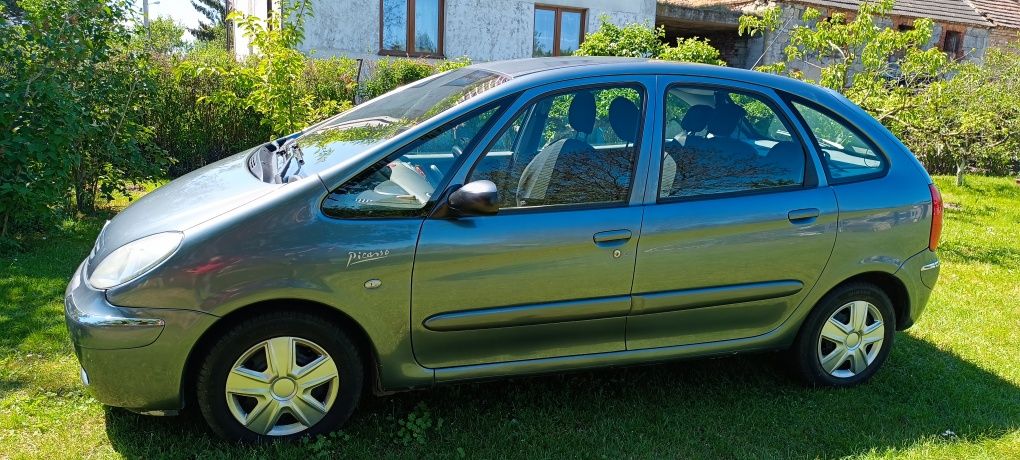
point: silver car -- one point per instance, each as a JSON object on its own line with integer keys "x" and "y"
{"x": 511, "y": 218}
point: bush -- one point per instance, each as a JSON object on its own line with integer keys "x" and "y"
{"x": 392, "y": 73}
{"x": 639, "y": 40}
{"x": 191, "y": 132}
{"x": 70, "y": 116}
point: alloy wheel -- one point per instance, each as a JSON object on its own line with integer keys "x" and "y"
{"x": 282, "y": 386}
{"x": 851, "y": 339}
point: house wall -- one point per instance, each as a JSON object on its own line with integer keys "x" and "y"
{"x": 483, "y": 30}
{"x": 1001, "y": 38}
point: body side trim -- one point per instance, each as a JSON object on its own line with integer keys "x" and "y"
{"x": 525, "y": 315}
{"x": 686, "y": 299}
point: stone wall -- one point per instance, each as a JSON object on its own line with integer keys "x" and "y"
{"x": 1001, "y": 38}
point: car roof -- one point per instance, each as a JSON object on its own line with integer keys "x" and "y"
{"x": 561, "y": 68}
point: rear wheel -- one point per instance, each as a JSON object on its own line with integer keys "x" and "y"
{"x": 280, "y": 375}
{"x": 847, "y": 337}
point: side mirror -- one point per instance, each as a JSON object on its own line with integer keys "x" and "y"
{"x": 478, "y": 198}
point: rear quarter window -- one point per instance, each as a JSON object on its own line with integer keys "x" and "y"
{"x": 847, "y": 155}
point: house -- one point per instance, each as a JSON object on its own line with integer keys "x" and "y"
{"x": 483, "y": 30}
{"x": 1004, "y": 16}
{"x": 488, "y": 30}
{"x": 964, "y": 29}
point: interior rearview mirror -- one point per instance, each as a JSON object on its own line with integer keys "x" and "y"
{"x": 478, "y": 198}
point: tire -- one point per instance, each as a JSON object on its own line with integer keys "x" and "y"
{"x": 846, "y": 356}
{"x": 315, "y": 393}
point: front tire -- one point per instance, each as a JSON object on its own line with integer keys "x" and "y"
{"x": 846, "y": 338}
{"x": 278, "y": 376}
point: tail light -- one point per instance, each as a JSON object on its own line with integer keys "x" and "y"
{"x": 936, "y": 217}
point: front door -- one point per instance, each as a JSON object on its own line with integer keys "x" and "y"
{"x": 740, "y": 229}
{"x": 549, "y": 275}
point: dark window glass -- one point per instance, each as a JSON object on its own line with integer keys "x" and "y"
{"x": 404, "y": 183}
{"x": 394, "y": 25}
{"x": 952, "y": 42}
{"x": 545, "y": 27}
{"x": 571, "y": 148}
{"x": 721, "y": 141}
{"x": 412, "y": 27}
{"x": 570, "y": 32}
{"x": 558, "y": 31}
{"x": 847, "y": 154}
{"x": 426, "y": 26}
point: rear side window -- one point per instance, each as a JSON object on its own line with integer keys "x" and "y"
{"x": 720, "y": 141}
{"x": 847, "y": 155}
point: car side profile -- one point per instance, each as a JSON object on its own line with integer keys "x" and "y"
{"x": 511, "y": 218}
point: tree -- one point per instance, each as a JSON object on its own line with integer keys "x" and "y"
{"x": 70, "y": 128}
{"x": 215, "y": 11}
{"x": 269, "y": 82}
{"x": 639, "y": 40}
{"x": 949, "y": 114}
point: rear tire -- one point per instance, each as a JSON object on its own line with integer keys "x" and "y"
{"x": 278, "y": 376}
{"x": 846, "y": 338}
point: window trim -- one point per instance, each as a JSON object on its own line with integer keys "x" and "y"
{"x": 790, "y": 99}
{"x": 501, "y": 105}
{"x": 558, "y": 25}
{"x": 527, "y": 105}
{"x": 410, "y": 51}
{"x": 810, "y": 179}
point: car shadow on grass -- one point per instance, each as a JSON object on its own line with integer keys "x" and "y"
{"x": 743, "y": 406}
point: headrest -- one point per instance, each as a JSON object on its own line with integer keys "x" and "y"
{"x": 785, "y": 149}
{"x": 623, "y": 118}
{"x": 581, "y": 114}
{"x": 696, "y": 118}
{"x": 725, "y": 120}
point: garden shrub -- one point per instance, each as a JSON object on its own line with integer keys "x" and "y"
{"x": 388, "y": 74}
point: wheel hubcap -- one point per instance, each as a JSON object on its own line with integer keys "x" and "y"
{"x": 282, "y": 386}
{"x": 851, "y": 339}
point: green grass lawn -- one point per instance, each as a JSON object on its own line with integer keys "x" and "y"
{"x": 951, "y": 388}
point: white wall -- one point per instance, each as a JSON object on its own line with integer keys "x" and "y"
{"x": 483, "y": 30}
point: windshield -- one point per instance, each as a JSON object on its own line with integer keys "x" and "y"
{"x": 347, "y": 134}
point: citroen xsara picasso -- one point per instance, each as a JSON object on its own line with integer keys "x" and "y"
{"x": 511, "y": 218}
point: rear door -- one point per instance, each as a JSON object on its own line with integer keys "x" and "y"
{"x": 740, "y": 225}
{"x": 550, "y": 275}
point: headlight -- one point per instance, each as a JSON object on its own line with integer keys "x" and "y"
{"x": 128, "y": 261}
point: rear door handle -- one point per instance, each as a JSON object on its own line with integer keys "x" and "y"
{"x": 611, "y": 236}
{"x": 803, "y": 215}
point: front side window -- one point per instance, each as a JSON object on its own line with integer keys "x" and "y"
{"x": 570, "y": 148}
{"x": 412, "y": 27}
{"x": 847, "y": 155}
{"x": 404, "y": 184}
{"x": 720, "y": 141}
{"x": 558, "y": 31}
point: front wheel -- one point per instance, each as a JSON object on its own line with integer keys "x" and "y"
{"x": 847, "y": 337}
{"x": 280, "y": 375}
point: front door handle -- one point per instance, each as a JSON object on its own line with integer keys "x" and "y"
{"x": 611, "y": 236}
{"x": 803, "y": 215}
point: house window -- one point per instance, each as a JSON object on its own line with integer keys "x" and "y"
{"x": 558, "y": 30}
{"x": 952, "y": 44}
{"x": 411, "y": 28}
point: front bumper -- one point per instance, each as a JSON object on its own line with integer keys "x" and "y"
{"x": 130, "y": 357}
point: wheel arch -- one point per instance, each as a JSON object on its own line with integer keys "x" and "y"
{"x": 357, "y": 334}
{"x": 890, "y": 285}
